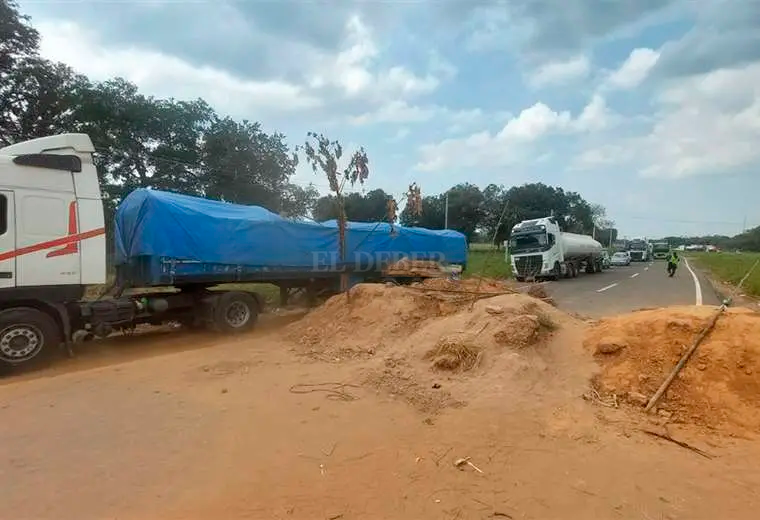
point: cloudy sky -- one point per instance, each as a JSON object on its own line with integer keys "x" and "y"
{"x": 649, "y": 107}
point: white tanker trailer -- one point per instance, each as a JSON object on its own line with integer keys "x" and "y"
{"x": 540, "y": 250}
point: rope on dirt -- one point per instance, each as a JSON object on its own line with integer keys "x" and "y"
{"x": 333, "y": 391}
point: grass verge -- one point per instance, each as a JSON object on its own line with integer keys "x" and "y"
{"x": 488, "y": 263}
{"x": 731, "y": 267}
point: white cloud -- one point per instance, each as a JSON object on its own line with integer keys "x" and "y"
{"x": 515, "y": 141}
{"x": 167, "y": 76}
{"x": 634, "y": 69}
{"x": 560, "y": 72}
{"x": 707, "y": 124}
{"x": 596, "y": 115}
{"x": 353, "y": 70}
{"x": 710, "y": 125}
{"x": 353, "y": 74}
{"x": 394, "y": 112}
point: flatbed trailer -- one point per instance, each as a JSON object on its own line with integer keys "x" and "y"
{"x": 171, "y": 251}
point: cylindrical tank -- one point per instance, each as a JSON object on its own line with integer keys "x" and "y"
{"x": 579, "y": 245}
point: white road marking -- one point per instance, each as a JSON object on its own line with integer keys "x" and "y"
{"x": 646, "y": 269}
{"x": 697, "y": 286}
{"x": 608, "y": 287}
{"x": 634, "y": 275}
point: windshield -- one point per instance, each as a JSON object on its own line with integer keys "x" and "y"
{"x": 528, "y": 243}
{"x": 619, "y": 255}
{"x": 638, "y": 246}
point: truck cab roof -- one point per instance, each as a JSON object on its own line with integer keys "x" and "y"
{"x": 77, "y": 142}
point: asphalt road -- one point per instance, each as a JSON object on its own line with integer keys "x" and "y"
{"x": 625, "y": 289}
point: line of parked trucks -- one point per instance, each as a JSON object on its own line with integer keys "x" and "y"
{"x": 539, "y": 250}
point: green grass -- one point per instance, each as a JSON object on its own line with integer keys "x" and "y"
{"x": 731, "y": 267}
{"x": 488, "y": 263}
{"x": 271, "y": 293}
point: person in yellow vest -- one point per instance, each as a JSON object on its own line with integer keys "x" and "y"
{"x": 673, "y": 260}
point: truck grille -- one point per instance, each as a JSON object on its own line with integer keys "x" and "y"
{"x": 529, "y": 266}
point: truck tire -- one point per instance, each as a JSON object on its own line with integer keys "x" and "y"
{"x": 235, "y": 312}
{"x": 557, "y": 272}
{"x": 27, "y": 336}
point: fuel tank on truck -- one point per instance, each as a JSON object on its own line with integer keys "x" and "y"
{"x": 579, "y": 245}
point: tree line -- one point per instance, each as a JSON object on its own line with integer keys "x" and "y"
{"x": 142, "y": 141}
{"x": 185, "y": 146}
{"x": 748, "y": 240}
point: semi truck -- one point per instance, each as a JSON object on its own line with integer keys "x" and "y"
{"x": 621, "y": 246}
{"x": 660, "y": 250}
{"x": 539, "y": 249}
{"x": 170, "y": 252}
{"x": 639, "y": 250}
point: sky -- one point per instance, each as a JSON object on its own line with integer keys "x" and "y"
{"x": 648, "y": 107}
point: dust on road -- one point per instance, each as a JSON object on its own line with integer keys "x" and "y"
{"x": 231, "y": 429}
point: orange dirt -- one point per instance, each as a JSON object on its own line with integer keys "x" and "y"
{"x": 719, "y": 387}
{"x": 195, "y": 426}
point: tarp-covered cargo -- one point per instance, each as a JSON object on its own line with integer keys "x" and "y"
{"x": 174, "y": 227}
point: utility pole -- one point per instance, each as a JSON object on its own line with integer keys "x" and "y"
{"x": 446, "y": 213}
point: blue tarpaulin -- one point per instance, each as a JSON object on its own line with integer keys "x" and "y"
{"x": 152, "y": 223}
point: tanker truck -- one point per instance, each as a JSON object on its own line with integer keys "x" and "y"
{"x": 540, "y": 250}
{"x": 640, "y": 249}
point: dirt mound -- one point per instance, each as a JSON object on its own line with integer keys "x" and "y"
{"x": 361, "y": 324}
{"x": 408, "y": 337}
{"x": 718, "y": 388}
{"x": 473, "y": 284}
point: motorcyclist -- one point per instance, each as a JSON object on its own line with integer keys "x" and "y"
{"x": 673, "y": 261}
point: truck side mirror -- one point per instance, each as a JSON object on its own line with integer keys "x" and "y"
{"x": 551, "y": 239}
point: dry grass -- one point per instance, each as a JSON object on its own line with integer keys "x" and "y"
{"x": 455, "y": 355}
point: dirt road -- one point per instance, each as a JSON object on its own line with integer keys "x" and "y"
{"x": 203, "y": 428}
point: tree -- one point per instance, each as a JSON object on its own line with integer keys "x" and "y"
{"x": 39, "y": 98}
{"x": 324, "y": 155}
{"x": 371, "y": 207}
{"x": 245, "y": 165}
{"x": 144, "y": 142}
{"x": 495, "y": 204}
{"x": 431, "y": 215}
{"x": 298, "y": 202}
{"x": 18, "y": 39}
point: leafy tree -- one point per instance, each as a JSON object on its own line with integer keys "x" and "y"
{"x": 39, "y": 98}
{"x": 246, "y": 165}
{"x": 18, "y": 39}
{"x": 465, "y": 208}
{"x": 142, "y": 141}
{"x": 431, "y": 216}
{"x": 371, "y": 207}
{"x": 298, "y": 202}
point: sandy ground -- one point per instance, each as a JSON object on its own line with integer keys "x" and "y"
{"x": 184, "y": 426}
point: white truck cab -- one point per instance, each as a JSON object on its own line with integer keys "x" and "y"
{"x": 52, "y": 237}
{"x": 539, "y": 249}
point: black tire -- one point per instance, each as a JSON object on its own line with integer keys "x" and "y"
{"x": 520, "y": 278}
{"x": 557, "y": 272}
{"x": 27, "y": 337}
{"x": 235, "y": 312}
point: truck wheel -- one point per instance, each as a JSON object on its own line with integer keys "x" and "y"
{"x": 235, "y": 312}
{"x": 26, "y": 335}
{"x": 573, "y": 270}
{"x": 520, "y": 278}
{"x": 557, "y": 272}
